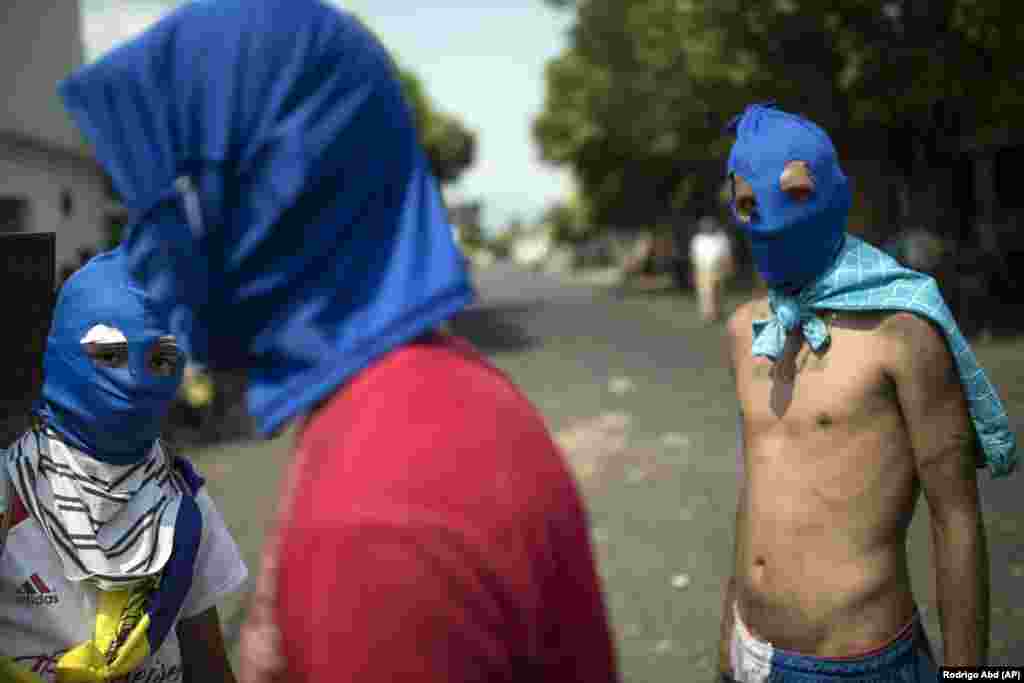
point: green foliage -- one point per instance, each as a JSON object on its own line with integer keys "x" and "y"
{"x": 624, "y": 112}
{"x": 471, "y": 234}
{"x": 635, "y": 105}
{"x": 449, "y": 145}
{"x": 570, "y": 222}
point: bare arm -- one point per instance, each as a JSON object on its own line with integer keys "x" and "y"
{"x": 945, "y": 445}
{"x": 204, "y": 658}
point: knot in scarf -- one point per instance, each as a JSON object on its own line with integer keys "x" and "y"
{"x": 788, "y": 313}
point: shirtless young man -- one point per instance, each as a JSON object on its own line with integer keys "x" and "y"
{"x": 837, "y": 445}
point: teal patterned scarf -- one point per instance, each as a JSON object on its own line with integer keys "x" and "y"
{"x": 866, "y": 279}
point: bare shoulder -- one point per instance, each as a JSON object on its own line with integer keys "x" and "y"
{"x": 914, "y": 334}
{"x": 917, "y": 350}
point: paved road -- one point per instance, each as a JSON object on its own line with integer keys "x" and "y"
{"x": 640, "y": 399}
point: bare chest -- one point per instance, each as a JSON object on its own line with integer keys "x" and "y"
{"x": 845, "y": 384}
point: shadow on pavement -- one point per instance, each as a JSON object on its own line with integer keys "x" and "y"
{"x": 495, "y": 329}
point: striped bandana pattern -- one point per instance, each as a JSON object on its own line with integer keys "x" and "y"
{"x": 110, "y": 524}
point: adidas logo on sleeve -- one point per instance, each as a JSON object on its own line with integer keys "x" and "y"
{"x": 35, "y": 592}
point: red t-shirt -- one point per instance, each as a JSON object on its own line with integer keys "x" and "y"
{"x": 436, "y": 534}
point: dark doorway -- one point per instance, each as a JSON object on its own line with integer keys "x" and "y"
{"x": 27, "y": 265}
{"x": 14, "y": 214}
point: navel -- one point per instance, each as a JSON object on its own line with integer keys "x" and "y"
{"x": 758, "y": 570}
{"x": 824, "y": 420}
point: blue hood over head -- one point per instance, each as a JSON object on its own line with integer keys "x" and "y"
{"x": 793, "y": 242}
{"x": 278, "y": 191}
{"x": 113, "y": 414}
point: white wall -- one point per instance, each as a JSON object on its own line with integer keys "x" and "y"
{"x": 40, "y": 43}
{"x": 40, "y": 176}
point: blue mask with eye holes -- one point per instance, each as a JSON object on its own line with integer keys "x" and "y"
{"x": 793, "y": 242}
{"x": 113, "y": 414}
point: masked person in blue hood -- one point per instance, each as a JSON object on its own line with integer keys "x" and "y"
{"x": 115, "y": 556}
{"x": 857, "y": 391}
{"x": 430, "y": 530}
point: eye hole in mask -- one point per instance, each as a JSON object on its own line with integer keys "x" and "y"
{"x": 164, "y": 358}
{"x": 796, "y": 181}
{"x": 107, "y": 347}
{"x": 744, "y": 205}
{"x": 106, "y": 355}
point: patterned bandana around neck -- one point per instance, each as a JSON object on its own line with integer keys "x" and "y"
{"x": 110, "y": 524}
{"x": 862, "y": 278}
{"x": 133, "y": 531}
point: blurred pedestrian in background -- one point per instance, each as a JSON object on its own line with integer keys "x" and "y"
{"x": 712, "y": 265}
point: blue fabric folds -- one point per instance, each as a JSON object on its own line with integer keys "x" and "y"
{"x": 278, "y": 192}
{"x": 176, "y": 579}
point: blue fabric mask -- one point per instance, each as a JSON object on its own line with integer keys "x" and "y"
{"x": 278, "y": 189}
{"x": 793, "y": 242}
{"x": 112, "y": 413}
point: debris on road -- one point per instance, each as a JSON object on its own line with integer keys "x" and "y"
{"x": 681, "y": 581}
{"x": 675, "y": 440}
{"x": 621, "y": 385}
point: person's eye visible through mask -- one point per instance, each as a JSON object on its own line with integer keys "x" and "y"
{"x": 744, "y": 200}
{"x": 164, "y": 358}
{"x": 107, "y": 347}
{"x": 107, "y": 355}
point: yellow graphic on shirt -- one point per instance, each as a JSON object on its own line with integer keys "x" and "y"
{"x": 119, "y": 644}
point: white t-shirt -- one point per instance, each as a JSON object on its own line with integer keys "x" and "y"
{"x": 42, "y": 614}
{"x": 709, "y": 250}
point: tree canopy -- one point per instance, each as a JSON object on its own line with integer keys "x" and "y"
{"x": 636, "y": 104}
{"x": 450, "y": 145}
